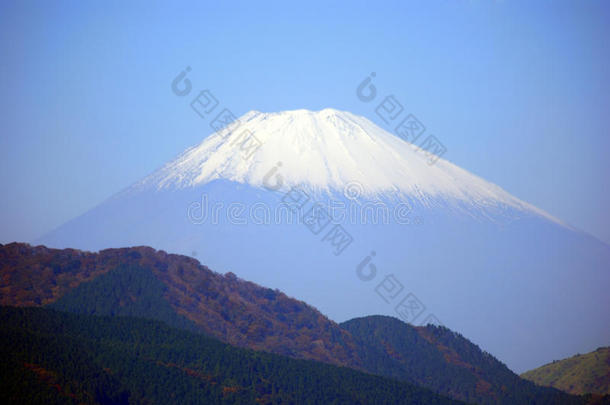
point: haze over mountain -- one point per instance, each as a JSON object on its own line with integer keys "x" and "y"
{"x": 501, "y": 271}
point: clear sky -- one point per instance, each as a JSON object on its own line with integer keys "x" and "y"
{"x": 518, "y": 91}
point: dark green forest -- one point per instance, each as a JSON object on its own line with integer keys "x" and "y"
{"x": 54, "y": 357}
{"x": 444, "y": 361}
{"x": 155, "y": 328}
{"x": 127, "y": 290}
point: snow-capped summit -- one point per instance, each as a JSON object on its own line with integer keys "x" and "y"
{"x": 326, "y": 151}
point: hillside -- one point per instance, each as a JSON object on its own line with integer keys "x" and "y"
{"x": 580, "y": 374}
{"x": 418, "y": 354}
{"x": 235, "y": 311}
{"x": 177, "y": 290}
{"x": 52, "y": 357}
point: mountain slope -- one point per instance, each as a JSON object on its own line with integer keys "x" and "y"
{"x": 53, "y": 357}
{"x": 236, "y": 311}
{"x": 178, "y": 291}
{"x": 444, "y": 361}
{"x": 580, "y": 374}
{"x": 125, "y": 291}
{"x": 480, "y": 260}
{"x": 324, "y": 151}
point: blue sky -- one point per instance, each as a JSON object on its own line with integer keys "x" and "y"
{"x": 518, "y": 91}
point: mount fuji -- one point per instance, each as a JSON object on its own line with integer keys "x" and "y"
{"x": 331, "y": 209}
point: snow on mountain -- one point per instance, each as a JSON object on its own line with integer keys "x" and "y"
{"x": 326, "y": 151}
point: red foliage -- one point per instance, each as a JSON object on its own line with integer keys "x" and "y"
{"x": 235, "y": 311}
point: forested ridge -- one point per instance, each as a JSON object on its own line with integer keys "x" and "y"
{"x": 443, "y": 360}
{"x": 177, "y": 290}
{"x": 55, "y": 357}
